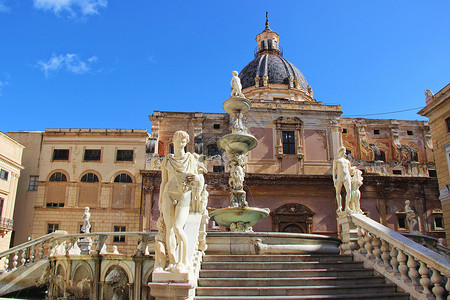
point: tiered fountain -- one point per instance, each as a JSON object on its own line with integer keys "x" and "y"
{"x": 238, "y": 217}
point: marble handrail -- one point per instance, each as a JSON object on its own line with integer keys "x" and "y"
{"x": 421, "y": 272}
{"x": 60, "y": 243}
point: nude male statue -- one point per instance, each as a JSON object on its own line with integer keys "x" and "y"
{"x": 236, "y": 86}
{"x": 86, "y": 228}
{"x": 342, "y": 177}
{"x": 181, "y": 179}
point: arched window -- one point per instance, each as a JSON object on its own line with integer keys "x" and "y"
{"x": 58, "y": 177}
{"x": 89, "y": 177}
{"x": 124, "y": 178}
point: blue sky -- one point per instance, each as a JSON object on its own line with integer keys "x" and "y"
{"x": 110, "y": 64}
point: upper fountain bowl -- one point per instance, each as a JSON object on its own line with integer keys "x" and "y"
{"x": 237, "y": 143}
{"x": 236, "y": 104}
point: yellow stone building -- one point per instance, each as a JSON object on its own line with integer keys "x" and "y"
{"x": 78, "y": 168}
{"x": 10, "y": 167}
{"x": 438, "y": 110}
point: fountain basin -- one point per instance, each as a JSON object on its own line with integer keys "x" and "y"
{"x": 235, "y": 104}
{"x": 245, "y": 217}
{"x": 237, "y": 143}
{"x": 275, "y": 243}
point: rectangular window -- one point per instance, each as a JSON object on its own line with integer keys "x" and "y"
{"x": 344, "y": 130}
{"x": 4, "y": 174}
{"x": 401, "y": 221}
{"x": 119, "y": 238}
{"x": 124, "y": 155}
{"x": 409, "y": 132}
{"x": 448, "y": 124}
{"x": 92, "y": 154}
{"x": 51, "y": 204}
{"x": 33, "y": 184}
{"x": 52, "y": 228}
{"x": 438, "y": 222}
{"x": 1, "y": 206}
{"x": 61, "y": 154}
{"x": 218, "y": 169}
{"x": 216, "y": 126}
{"x": 376, "y": 131}
{"x": 288, "y": 142}
{"x": 432, "y": 173}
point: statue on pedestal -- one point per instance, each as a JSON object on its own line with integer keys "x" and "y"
{"x": 236, "y": 86}
{"x": 341, "y": 177}
{"x": 181, "y": 182}
{"x": 410, "y": 217}
{"x": 357, "y": 181}
{"x": 86, "y": 228}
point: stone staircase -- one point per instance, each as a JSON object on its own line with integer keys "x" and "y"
{"x": 290, "y": 277}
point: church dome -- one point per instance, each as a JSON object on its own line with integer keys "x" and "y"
{"x": 270, "y": 70}
{"x": 275, "y": 67}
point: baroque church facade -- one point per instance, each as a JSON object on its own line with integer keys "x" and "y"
{"x": 116, "y": 172}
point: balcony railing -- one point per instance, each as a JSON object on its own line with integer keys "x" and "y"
{"x": 6, "y": 224}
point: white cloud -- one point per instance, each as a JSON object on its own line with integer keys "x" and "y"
{"x": 73, "y": 8}
{"x": 3, "y": 7}
{"x": 152, "y": 59}
{"x": 70, "y": 62}
{"x": 2, "y": 84}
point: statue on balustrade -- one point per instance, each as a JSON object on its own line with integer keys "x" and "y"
{"x": 411, "y": 221}
{"x": 182, "y": 190}
{"x": 86, "y": 228}
{"x": 344, "y": 175}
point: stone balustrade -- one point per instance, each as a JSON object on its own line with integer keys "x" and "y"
{"x": 61, "y": 243}
{"x": 421, "y": 272}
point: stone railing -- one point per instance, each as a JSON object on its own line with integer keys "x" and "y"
{"x": 61, "y": 243}
{"x": 421, "y": 272}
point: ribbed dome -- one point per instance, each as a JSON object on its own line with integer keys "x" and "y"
{"x": 275, "y": 67}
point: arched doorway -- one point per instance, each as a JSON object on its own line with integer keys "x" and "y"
{"x": 293, "y": 218}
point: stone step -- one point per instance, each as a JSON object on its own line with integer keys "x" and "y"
{"x": 284, "y": 273}
{"x": 280, "y": 265}
{"x": 295, "y": 291}
{"x": 375, "y": 296}
{"x": 303, "y": 281}
{"x": 277, "y": 258}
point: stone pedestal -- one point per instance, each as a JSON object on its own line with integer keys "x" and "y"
{"x": 85, "y": 245}
{"x": 172, "y": 290}
{"x": 348, "y": 232}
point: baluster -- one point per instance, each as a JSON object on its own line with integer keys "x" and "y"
{"x": 361, "y": 240}
{"x": 402, "y": 268}
{"x": 424, "y": 281}
{"x": 15, "y": 258}
{"x": 368, "y": 245}
{"x": 7, "y": 263}
{"x": 23, "y": 259}
{"x": 376, "y": 249}
{"x": 394, "y": 261}
{"x": 413, "y": 274}
{"x": 32, "y": 253}
{"x": 447, "y": 287}
{"x": 41, "y": 250}
{"x": 385, "y": 253}
{"x": 436, "y": 279}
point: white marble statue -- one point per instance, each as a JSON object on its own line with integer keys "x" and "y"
{"x": 342, "y": 177}
{"x": 86, "y": 228}
{"x": 410, "y": 217}
{"x": 236, "y": 86}
{"x": 181, "y": 183}
{"x": 357, "y": 181}
{"x": 428, "y": 94}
